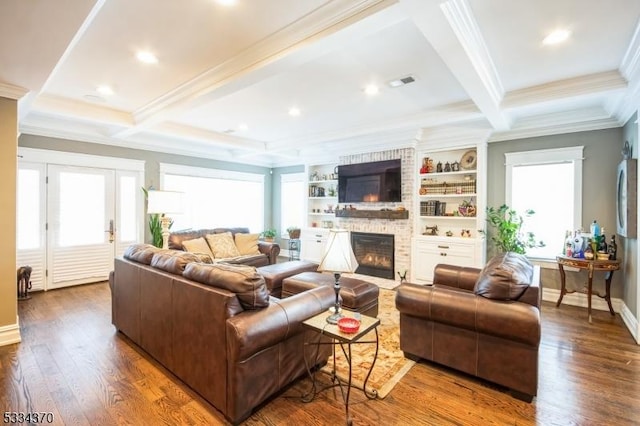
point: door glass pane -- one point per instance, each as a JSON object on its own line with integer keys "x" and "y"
{"x": 82, "y": 209}
{"x": 127, "y": 224}
{"x": 28, "y": 209}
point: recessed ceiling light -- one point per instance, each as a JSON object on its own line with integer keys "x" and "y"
{"x": 146, "y": 57}
{"x": 294, "y": 112}
{"x": 243, "y": 127}
{"x": 371, "y": 89}
{"x": 104, "y": 90}
{"x": 226, "y": 2}
{"x": 557, "y": 36}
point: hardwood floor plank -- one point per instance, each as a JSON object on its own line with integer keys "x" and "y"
{"x": 72, "y": 362}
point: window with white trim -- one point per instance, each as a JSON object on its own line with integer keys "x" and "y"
{"x": 549, "y": 182}
{"x": 215, "y": 198}
{"x": 292, "y": 190}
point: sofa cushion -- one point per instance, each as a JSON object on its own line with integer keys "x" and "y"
{"x": 197, "y": 245}
{"x": 141, "y": 253}
{"x": 174, "y": 261}
{"x": 222, "y": 245}
{"x": 505, "y": 277}
{"x": 242, "y": 280}
{"x": 247, "y": 243}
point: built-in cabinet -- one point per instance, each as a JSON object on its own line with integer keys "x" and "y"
{"x": 312, "y": 242}
{"x": 322, "y": 200}
{"x": 450, "y": 203}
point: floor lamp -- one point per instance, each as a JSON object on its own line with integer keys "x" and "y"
{"x": 338, "y": 257}
{"x": 163, "y": 203}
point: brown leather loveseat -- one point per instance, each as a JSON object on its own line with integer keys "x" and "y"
{"x": 268, "y": 252}
{"x": 215, "y": 326}
{"x": 482, "y": 322}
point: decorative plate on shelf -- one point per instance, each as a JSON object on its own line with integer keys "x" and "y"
{"x": 468, "y": 160}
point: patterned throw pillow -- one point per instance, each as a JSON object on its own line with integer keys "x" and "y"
{"x": 247, "y": 243}
{"x": 222, "y": 245}
{"x": 198, "y": 245}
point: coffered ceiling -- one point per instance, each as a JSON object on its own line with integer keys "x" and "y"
{"x": 226, "y": 76}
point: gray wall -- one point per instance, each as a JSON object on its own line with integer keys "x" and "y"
{"x": 602, "y": 153}
{"x": 630, "y": 133}
{"x": 276, "y": 193}
{"x": 152, "y": 162}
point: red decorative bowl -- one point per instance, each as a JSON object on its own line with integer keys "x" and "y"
{"x": 348, "y": 325}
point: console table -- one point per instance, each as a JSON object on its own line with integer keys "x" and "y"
{"x": 319, "y": 324}
{"x": 607, "y": 266}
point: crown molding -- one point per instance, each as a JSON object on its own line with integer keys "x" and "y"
{"x": 630, "y": 65}
{"x": 463, "y": 23}
{"x": 327, "y": 19}
{"x": 10, "y": 91}
{"x": 189, "y": 133}
{"x": 80, "y": 111}
{"x": 453, "y": 136}
{"x": 589, "y": 85}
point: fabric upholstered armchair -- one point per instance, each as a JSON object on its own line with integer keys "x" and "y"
{"x": 482, "y": 322}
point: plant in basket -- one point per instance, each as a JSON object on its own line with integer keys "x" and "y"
{"x": 467, "y": 209}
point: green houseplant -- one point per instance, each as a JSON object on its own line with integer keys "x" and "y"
{"x": 155, "y": 227}
{"x": 294, "y": 232}
{"x": 507, "y": 234}
{"x": 269, "y": 234}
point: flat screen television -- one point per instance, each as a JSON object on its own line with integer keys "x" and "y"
{"x": 373, "y": 182}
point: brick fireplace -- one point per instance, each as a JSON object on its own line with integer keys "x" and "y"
{"x": 400, "y": 229}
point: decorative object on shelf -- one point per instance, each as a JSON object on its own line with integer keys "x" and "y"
{"x": 455, "y": 166}
{"x": 447, "y": 167}
{"x": 467, "y": 209}
{"x": 449, "y": 234}
{"x": 422, "y": 191}
{"x": 294, "y": 232}
{"x": 613, "y": 248}
{"x": 466, "y": 233}
{"x": 331, "y": 191}
{"x": 439, "y": 167}
{"x": 159, "y": 204}
{"x": 469, "y": 160}
{"x": 269, "y": 234}
{"x": 431, "y": 230}
{"x": 507, "y": 225}
{"x": 588, "y": 252}
{"x": 338, "y": 257}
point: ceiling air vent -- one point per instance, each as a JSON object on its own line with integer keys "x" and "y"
{"x": 402, "y": 81}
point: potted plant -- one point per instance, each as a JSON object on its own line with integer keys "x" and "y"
{"x": 155, "y": 226}
{"x": 269, "y": 234}
{"x": 507, "y": 232}
{"x": 294, "y": 232}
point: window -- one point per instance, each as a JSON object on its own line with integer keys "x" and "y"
{"x": 548, "y": 182}
{"x": 292, "y": 189}
{"x": 215, "y": 198}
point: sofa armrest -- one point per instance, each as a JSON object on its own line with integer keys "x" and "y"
{"x": 441, "y": 304}
{"x": 253, "y": 331}
{"x": 456, "y": 276}
{"x": 272, "y": 250}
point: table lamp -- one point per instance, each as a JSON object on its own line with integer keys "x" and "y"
{"x": 338, "y": 257}
{"x": 163, "y": 203}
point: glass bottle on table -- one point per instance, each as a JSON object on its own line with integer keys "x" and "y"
{"x": 613, "y": 248}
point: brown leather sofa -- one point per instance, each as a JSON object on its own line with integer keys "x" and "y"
{"x": 268, "y": 251}
{"x": 483, "y": 322}
{"x": 215, "y": 326}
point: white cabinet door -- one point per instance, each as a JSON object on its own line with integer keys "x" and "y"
{"x": 430, "y": 251}
{"x": 313, "y": 241}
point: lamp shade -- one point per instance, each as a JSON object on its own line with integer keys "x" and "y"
{"x": 338, "y": 255}
{"x": 164, "y": 202}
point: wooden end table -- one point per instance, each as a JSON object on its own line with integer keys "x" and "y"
{"x": 319, "y": 324}
{"x": 608, "y": 266}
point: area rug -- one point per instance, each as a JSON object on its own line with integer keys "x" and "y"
{"x": 390, "y": 366}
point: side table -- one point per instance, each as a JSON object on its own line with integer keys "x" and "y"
{"x": 294, "y": 249}
{"x": 319, "y": 324}
{"x": 608, "y": 266}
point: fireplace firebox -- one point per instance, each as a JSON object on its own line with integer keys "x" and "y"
{"x": 374, "y": 253}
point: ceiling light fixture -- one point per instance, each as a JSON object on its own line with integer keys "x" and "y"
{"x": 557, "y": 36}
{"x": 146, "y": 57}
{"x": 294, "y": 112}
{"x": 371, "y": 89}
{"x": 243, "y": 127}
{"x": 104, "y": 90}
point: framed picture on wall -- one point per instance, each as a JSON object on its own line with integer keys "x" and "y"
{"x": 626, "y": 198}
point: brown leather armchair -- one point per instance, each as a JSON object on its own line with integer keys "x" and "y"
{"x": 496, "y": 340}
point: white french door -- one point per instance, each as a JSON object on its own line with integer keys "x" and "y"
{"x": 81, "y": 225}
{"x": 74, "y": 219}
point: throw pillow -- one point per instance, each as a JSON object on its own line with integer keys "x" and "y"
{"x": 248, "y": 285}
{"x": 247, "y": 243}
{"x": 197, "y": 245}
{"x": 504, "y": 277}
{"x": 222, "y": 245}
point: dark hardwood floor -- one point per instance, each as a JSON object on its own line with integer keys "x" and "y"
{"x": 73, "y": 364}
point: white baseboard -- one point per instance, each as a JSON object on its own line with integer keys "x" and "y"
{"x": 581, "y": 300}
{"x": 10, "y": 334}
